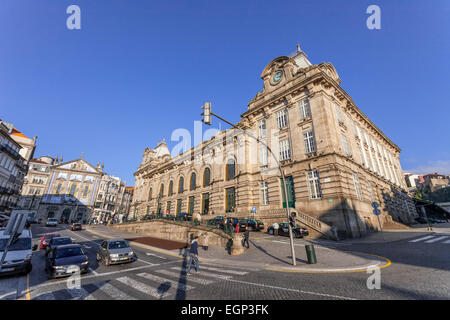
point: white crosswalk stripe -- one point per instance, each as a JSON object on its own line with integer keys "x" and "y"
{"x": 212, "y": 275}
{"x": 144, "y": 288}
{"x": 421, "y": 239}
{"x": 175, "y": 284}
{"x": 241, "y": 273}
{"x": 113, "y": 292}
{"x": 190, "y": 279}
{"x": 436, "y": 239}
{"x": 448, "y": 241}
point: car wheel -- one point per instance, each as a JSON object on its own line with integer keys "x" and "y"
{"x": 271, "y": 231}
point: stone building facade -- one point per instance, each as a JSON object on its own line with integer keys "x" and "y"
{"x": 110, "y": 197}
{"x": 335, "y": 159}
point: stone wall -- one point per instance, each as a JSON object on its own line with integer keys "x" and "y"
{"x": 177, "y": 231}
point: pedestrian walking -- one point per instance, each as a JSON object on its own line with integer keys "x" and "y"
{"x": 275, "y": 228}
{"x": 246, "y": 237}
{"x": 193, "y": 253}
{"x": 205, "y": 241}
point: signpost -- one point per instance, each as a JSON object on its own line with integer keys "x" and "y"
{"x": 377, "y": 212}
{"x": 253, "y": 211}
{"x": 13, "y": 229}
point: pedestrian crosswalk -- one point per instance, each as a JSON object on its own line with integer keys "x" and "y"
{"x": 432, "y": 239}
{"x": 155, "y": 284}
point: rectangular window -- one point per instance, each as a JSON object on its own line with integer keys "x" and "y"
{"x": 361, "y": 155}
{"x": 263, "y": 155}
{"x": 305, "y": 111}
{"x": 345, "y": 144}
{"x": 264, "y": 193}
{"x": 315, "y": 191}
{"x": 357, "y": 188}
{"x": 230, "y": 200}
{"x": 191, "y": 204}
{"x": 179, "y": 205}
{"x": 372, "y": 198}
{"x": 169, "y": 203}
{"x": 308, "y": 138}
{"x": 338, "y": 112}
{"x": 282, "y": 118}
{"x": 262, "y": 128}
{"x": 285, "y": 151}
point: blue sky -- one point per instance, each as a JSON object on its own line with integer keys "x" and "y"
{"x": 137, "y": 70}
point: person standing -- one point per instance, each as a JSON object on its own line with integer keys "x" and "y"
{"x": 193, "y": 253}
{"x": 205, "y": 241}
{"x": 246, "y": 237}
{"x": 275, "y": 228}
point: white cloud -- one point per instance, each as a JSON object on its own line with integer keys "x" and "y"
{"x": 439, "y": 166}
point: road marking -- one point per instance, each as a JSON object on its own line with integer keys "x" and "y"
{"x": 149, "y": 263}
{"x": 420, "y": 239}
{"x": 155, "y": 255}
{"x": 208, "y": 274}
{"x": 190, "y": 279}
{"x": 448, "y": 241}
{"x": 80, "y": 294}
{"x": 45, "y": 296}
{"x": 178, "y": 285}
{"x": 142, "y": 287}
{"x": 93, "y": 271}
{"x": 241, "y": 273}
{"x": 436, "y": 239}
{"x": 113, "y": 292}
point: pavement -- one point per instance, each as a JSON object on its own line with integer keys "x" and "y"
{"x": 267, "y": 252}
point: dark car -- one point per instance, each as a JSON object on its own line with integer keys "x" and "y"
{"x": 76, "y": 226}
{"x": 184, "y": 216}
{"x": 254, "y": 225}
{"x": 66, "y": 260}
{"x": 57, "y": 241}
{"x": 421, "y": 220}
{"x": 283, "y": 230}
{"x": 115, "y": 251}
{"x": 45, "y": 240}
{"x": 216, "y": 221}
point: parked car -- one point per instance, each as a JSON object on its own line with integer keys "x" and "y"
{"x": 254, "y": 225}
{"x": 115, "y": 251}
{"x": 65, "y": 260}
{"x": 76, "y": 226}
{"x": 57, "y": 241}
{"x": 283, "y": 230}
{"x": 51, "y": 222}
{"x": 46, "y": 239}
{"x": 184, "y": 216}
{"x": 421, "y": 220}
{"x": 18, "y": 257}
{"x": 216, "y": 221}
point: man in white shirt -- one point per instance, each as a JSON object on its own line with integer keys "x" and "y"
{"x": 275, "y": 228}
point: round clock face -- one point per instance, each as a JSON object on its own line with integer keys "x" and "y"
{"x": 277, "y": 76}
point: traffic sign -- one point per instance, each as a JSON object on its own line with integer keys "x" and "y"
{"x": 375, "y": 205}
{"x": 376, "y": 212}
{"x": 253, "y": 209}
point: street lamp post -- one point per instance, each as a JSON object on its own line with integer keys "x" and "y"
{"x": 207, "y": 120}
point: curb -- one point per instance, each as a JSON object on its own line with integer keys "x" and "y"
{"x": 268, "y": 267}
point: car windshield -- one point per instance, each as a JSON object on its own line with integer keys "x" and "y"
{"x": 20, "y": 244}
{"x": 68, "y": 252}
{"x": 58, "y": 242}
{"x": 118, "y": 244}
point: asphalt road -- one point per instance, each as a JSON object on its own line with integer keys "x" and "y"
{"x": 419, "y": 270}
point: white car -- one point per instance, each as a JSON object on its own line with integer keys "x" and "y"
{"x": 18, "y": 258}
{"x": 51, "y": 222}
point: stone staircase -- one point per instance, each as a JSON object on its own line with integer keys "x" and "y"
{"x": 324, "y": 229}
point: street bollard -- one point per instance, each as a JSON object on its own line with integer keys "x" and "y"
{"x": 311, "y": 254}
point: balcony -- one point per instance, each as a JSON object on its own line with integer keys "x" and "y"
{"x": 6, "y": 148}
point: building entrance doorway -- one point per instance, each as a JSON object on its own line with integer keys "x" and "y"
{"x": 65, "y": 215}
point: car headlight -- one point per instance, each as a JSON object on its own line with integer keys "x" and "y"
{"x": 130, "y": 253}
{"x": 59, "y": 267}
{"x": 114, "y": 255}
{"x": 84, "y": 263}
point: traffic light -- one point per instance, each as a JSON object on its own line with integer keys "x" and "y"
{"x": 206, "y": 113}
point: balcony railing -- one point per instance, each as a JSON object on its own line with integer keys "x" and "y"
{"x": 6, "y": 148}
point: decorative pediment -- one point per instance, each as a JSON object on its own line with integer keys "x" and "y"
{"x": 77, "y": 165}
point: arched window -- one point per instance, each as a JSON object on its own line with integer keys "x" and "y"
{"x": 170, "y": 188}
{"x": 161, "y": 190}
{"x": 193, "y": 181}
{"x": 181, "y": 185}
{"x": 231, "y": 169}
{"x": 150, "y": 194}
{"x": 206, "y": 177}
